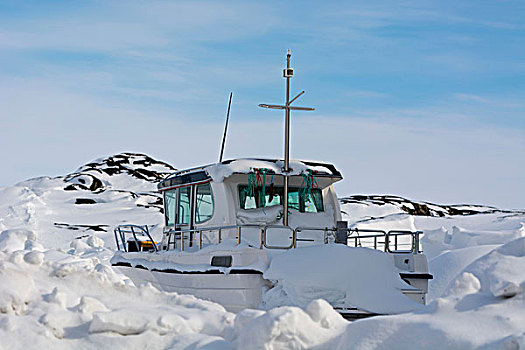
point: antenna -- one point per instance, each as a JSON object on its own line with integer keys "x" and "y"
{"x": 226, "y": 128}
{"x": 287, "y": 73}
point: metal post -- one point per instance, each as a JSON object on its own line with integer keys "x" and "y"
{"x": 287, "y": 141}
{"x": 395, "y": 239}
{"x": 416, "y": 243}
{"x": 239, "y": 234}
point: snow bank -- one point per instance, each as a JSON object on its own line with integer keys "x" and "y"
{"x": 344, "y": 276}
{"x": 448, "y": 266}
{"x": 317, "y": 326}
{"x": 476, "y": 297}
{"x": 471, "y": 321}
{"x": 53, "y": 299}
{"x": 64, "y": 300}
{"x": 501, "y": 272}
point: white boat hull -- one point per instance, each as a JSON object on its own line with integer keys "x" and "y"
{"x": 235, "y": 291}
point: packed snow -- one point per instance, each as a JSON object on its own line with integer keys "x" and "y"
{"x": 220, "y": 171}
{"x": 58, "y": 289}
{"x": 326, "y": 270}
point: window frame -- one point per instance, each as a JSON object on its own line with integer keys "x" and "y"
{"x": 192, "y": 205}
{"x": 212, "y": 203}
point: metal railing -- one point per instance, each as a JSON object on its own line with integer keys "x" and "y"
{"x": 389, "y": 241}
{"x": 171, "y": 235}
{"x": 135, "y": 230}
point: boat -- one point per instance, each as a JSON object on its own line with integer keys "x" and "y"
{"x": 225, "y": 222}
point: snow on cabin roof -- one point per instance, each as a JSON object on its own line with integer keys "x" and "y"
{"x": 219, "y": 171}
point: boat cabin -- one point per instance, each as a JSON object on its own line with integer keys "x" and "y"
{"x": 248, "y": 194}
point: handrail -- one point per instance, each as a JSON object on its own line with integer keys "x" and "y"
{"x": 414, "y": 244}
{"x": 326, "y": 231}
{"x": 354, "y": 235}
{"x": 173, "y": 231}
{"x": 129, "y": 228}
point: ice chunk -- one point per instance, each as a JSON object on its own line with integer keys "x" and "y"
{"x": 121, "y": 321}
{"x": 290, "y": 328}
{"x": 465, "y": 284}
{"x": 56, "y": 297}
{"x": 15, "y": 239}
{"x": 16, "y": 289}
{"x": 34, "y": 258}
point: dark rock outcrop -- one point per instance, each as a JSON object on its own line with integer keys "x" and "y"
{"x": 90, "y": 177}
{"x": 421, "y": 208}
{"x": 85, "y": 201}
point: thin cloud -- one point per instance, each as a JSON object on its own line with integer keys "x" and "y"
{"x": 470, "y": 98}
{"x": 365, "y": 94}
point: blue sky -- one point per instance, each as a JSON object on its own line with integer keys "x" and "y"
{"x": 423, "y": 99}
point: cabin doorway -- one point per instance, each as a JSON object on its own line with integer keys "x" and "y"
{"x": 186, "y": 207}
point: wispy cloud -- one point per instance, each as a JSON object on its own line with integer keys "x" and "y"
{"x": 134, "y": 24}
{"x": 365, "y": 94}
{"x": 470, "y": 98}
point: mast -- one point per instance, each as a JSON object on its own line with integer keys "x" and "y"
{"x": 287, "y": 135}
{"x": 288, "y": 74}
{"x": 225, "y": 128}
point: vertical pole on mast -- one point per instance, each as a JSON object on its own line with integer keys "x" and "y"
{"x": 287, "y": 140}
{"x": 287, "y": 73}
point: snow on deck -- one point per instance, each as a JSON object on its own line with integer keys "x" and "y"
{"x": 344, "y": 276}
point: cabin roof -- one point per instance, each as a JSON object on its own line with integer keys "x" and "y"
{"x": 219, "y": 171}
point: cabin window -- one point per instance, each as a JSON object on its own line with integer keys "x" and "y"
{"x": 252, "y": 201}
{"x": 204, "y": 203}
{"x": 170, "y": 198}
{"x": 308, "y": 203}
{"x": 183, "y": 214}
